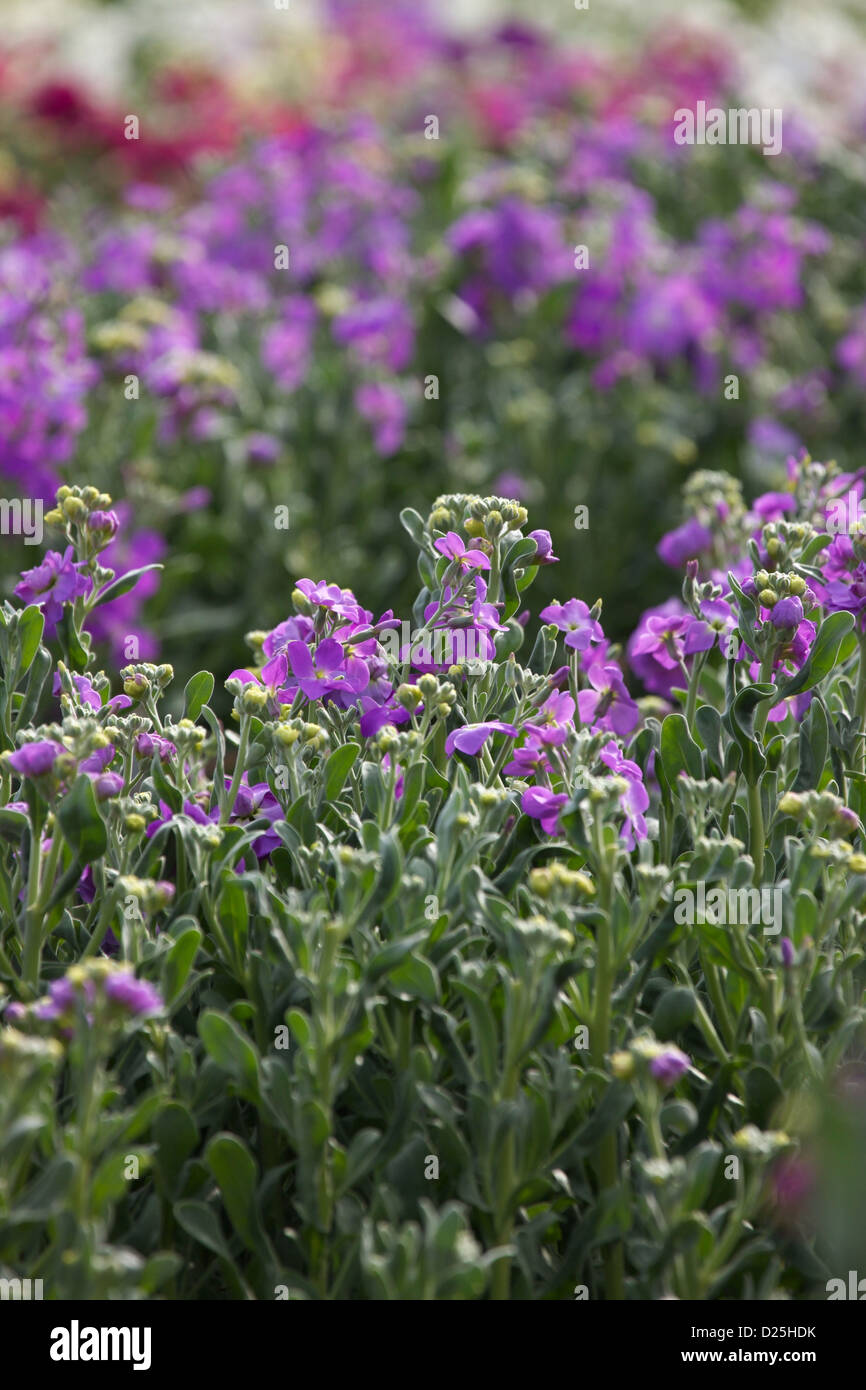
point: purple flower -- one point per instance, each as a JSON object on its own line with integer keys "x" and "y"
{"x": 327, "y": 670}
{"x": 262, "y": 448}
{"x": 685, "y": 543}
{"x": 662, "y": 638}
{"x": 273, "y": 676}
{"x": 136, "y": 997}
{"x": 51, "y": 584}
{"x": 35, "y": 759}
{"x": 787, "y": 613}
{"x": 452, "y": 546}
{"x": 379, "y": 331}
{"x": 787, "y": 948}
{"x": 529, "y": 761}
{"x": 717, "y": 622}
{"x": 574, "y": 619}
{"x": 544, "y": 806}
{"x": 341, "y": 602}
{"x": 472, "y": 737}
{"x": 383, "y": 407}
{"x": 108, "y": 784}
{"x": 104, "y": 524}
{"x": 669, "y": 1066}
{"x": 554, "y": 719}
{"x": 254, "y": 803}
{"x": 543, "y": 548}
{"x": 62, "y": 999}
{"x": 148, "y": 744}
{"x": 88, "y": 694}
{"x": 658, "y": 677}
{"x": 635, "y": 799}
{"x": 375, "y": 716}
{"x": 98, "y": 760}
{"x": 608, "y": 704}
{"x": 298, "y": 629}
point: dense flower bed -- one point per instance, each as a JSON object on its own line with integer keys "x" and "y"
{"x": 432, "y": 978}
{"x": 507, "y": 277}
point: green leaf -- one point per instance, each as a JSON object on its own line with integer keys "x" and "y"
{"x": 739, "y": 720}
{"x": 197, "y": 692}
{"x": 179, "y": 960}
{"x": 234, "y": 1171}
{"x": 31, "y": 624}
{"x": 76, "y": 653}
{"x": 708, "y": 722}
{"x": 822, "y": 657}
{"x": 200, "y": 1222}
{"x": 412, "y": 522}
{"x": 814, "y": 742}
{"x": 176, "y": 1134}
{"x": 234, "y": 915}
{"x": 121, "y": 586}
{"x": 81, "y": 823}
{"x": 38, "y": 674}
{"x": 483, "y": 1030}
{"x": 679, "y": 752}
{"x": 216, "y": 728}
{"x": 415, "y": 978}
{"x": 338, "y": 767}
{"x": 231, "y": 1049}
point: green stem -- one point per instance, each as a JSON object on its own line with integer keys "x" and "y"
{"x": 606, "y": 1153}
{"x": 756, "y": 831}
{"x": 860, "y": 707}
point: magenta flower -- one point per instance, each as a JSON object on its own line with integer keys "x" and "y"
{"x": 657, "y": 677}
{"x": 472, "y": 737}
{"x": 327, "y": 670}
{"x": 573, "y": 618}
{"x": 662, "y": 638}
{"x": 35, "y": 759}
{"x": 273, "y": 677}
{"x": 341, "y": 602}
{"x": 134, "y": 996}
{"x": 104, "y": 524}
{"x": 635, "y": 799}
{"x": 669, "y": 1066}
{"x": 88, "y": 695}
{"x": 148, "y": 744}
{"x": 51, "y": 584}
{"x": 297, "y": 629}
{"x": 529, "y": 761}
{"x": 787, "y": 613}
{"x": 543, "y": 805}
{"x": 254, "y": 803}
{"x": 554, "y": 720}
{"x": 608, "y": 704}
{"x": 452, "y": 546}
{"x": 384, "y": 408}
{"x": 375, "y": 716}
{"x": 107, "y": 784}
{"x": 685, "y": 543}
{"x": 543, "y": 548}
{"x": 716, "y": 623}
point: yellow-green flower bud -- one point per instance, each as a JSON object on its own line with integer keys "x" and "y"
{"x": 254, "y": 698}
{"x": 409, "y": 696}
{"x": 622, "y": 1066}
